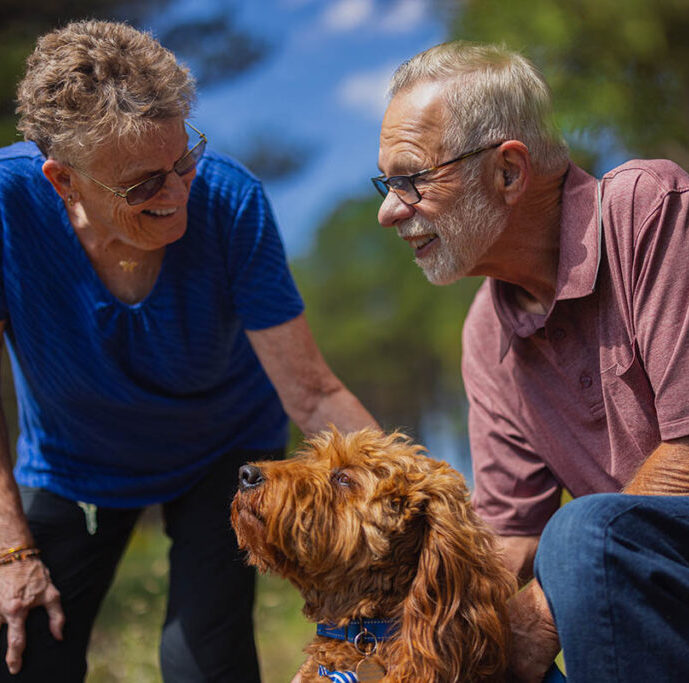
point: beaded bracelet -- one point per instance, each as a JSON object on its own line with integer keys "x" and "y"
{"x": 13, "y": 550}
{"x": 18, "y": 554}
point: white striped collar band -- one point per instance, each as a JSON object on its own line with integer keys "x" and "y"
{"x": 338, "y": 676}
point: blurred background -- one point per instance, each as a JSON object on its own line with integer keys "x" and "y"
{"x": 295, "y": 89}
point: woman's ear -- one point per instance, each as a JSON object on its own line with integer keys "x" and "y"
{"x": 513, "y": 171}
{"x": 60, "y": 177}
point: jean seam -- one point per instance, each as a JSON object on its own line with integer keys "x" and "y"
{"x": 606, "y": 554}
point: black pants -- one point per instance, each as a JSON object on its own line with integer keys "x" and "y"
{"x": 208, "y": 630}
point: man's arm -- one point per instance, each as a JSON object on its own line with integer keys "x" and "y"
{"x": 534, "y": 637}
{"x": 24, "y": 584}
{"x": 664, "y": 473}
{"x": 310, "y": 393}
{"x": 518, "y": 554}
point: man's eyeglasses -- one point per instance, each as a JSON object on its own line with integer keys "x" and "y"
{"x": 404, "y": 186}
{"x": 143, "y": 191}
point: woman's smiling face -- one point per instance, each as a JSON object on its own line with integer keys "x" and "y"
{"x": 160, "y": 220}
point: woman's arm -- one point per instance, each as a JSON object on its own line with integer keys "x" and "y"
{"x": 311, "y": 394}
{"x": 26, "y": 583}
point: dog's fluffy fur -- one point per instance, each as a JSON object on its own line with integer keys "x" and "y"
{"x": 366, "y": 525}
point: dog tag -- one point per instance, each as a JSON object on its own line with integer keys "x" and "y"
{"x": 368, "y": 670}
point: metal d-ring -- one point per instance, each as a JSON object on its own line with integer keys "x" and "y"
{"x": 358, "y": 644}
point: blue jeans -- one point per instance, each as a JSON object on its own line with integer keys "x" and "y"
{"x": 615, "y": 570}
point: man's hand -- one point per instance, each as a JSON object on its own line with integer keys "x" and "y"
{"x": 535, "y": 643}
{"x": 23, "y": 586}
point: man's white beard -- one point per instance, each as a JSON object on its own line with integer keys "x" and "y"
{"x": 464, "y": 234}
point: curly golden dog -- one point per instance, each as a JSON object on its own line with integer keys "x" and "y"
{"x": 391, "y": 560}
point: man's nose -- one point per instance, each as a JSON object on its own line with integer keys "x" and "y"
{"x": 393, "y": 210}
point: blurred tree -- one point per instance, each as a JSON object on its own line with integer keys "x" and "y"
{"x": 393, "y": 337}
{"x": 619, "y": 72}
{"x": 271, "y": 155}
{"x": 216, "y": 47}
{"x": 21, "y": 23}
{"x": 620, "y": 79}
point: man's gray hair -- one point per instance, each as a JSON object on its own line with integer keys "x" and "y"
{"x": 492, "y": 94}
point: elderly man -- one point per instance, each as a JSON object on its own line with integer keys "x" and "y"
{"x": 576, "y": 355}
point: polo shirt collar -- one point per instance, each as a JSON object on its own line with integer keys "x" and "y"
{"x": 579, "y": 259}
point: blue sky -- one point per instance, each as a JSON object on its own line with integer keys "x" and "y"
{"x": 323, "y": 86}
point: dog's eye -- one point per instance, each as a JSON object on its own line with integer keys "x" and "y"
{"x": 341, "y": 478}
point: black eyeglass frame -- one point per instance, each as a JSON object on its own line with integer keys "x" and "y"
{"x": 196, "y": 152}
{"x": 384, "y": 185}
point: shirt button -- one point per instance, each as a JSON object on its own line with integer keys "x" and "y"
{"x": 559, "y": 334}
{"x": 585, "y": 381}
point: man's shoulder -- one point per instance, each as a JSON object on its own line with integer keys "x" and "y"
{"x": 647, "y": 176}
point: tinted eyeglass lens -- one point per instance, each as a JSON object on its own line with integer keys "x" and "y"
{"x": 380, "y": 185}
{"x": 188, "y": 162}
{"x": 403, "y": 188}
{"x": 142, "y": 193}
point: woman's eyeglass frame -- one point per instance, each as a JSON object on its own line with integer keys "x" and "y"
{"x": 155, "y": 182}
{"x": 404, "y": 185}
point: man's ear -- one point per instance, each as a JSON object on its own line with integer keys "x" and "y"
{"x": 513, "y": 171}
{"x": 60, "y": 177}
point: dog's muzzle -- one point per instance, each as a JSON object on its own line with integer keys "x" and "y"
{"x": 250, "y": 477}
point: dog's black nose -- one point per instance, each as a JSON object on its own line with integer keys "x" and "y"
{"x": 249, "y": 477}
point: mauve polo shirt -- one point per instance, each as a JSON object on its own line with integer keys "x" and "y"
{"x": 579, "y": 397}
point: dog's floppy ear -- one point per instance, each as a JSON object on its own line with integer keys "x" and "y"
{"x": 454, "y": 625}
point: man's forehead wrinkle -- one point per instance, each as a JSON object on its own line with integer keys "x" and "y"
{"x": 412, "y": 130}
{"x": 405, "y": 150}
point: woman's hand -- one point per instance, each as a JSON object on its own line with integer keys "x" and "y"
{"x": 23, "y": 586}
{"x": 535, "y": 643}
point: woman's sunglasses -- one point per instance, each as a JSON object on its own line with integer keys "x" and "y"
{"x": 146, "y": 189}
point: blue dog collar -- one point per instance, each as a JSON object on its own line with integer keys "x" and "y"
{"x": 380, "y": 629}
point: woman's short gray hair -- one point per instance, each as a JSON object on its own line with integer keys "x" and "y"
{"x": 93, "y": 82}
{"x": 492, "y": 94}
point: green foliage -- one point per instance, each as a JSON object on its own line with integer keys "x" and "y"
{"x": 22, "y": 23}
{"x": 618, "y": 71}
{"x": 282, "y": 631}
{"x": 620, "y": 78}
{"x": 390, "y": 335}
{"x": 124, "y": 645}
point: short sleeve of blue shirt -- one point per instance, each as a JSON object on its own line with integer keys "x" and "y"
{"x": 257, "y": 258}
{"x": 263, "y": 290}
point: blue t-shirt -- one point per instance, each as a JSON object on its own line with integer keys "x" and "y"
{"x": 126, "y": 405}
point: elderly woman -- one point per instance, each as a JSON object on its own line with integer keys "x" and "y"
{"x": 155, "y": 335}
